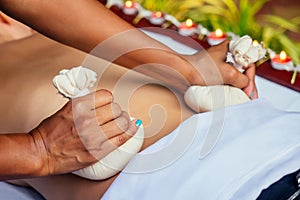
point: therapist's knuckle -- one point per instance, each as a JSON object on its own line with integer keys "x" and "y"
{"x": 79, "y": 106}
{"x": 107, "y": 94}
{"x": 116, "y": 109}
{"x": 123, "y": 122}
{"x": 121, "y": 139}
{"x": 232, "y": 74}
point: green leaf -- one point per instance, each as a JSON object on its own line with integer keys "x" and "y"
{"x": 190, "y": 4}
{"x": 216, "y": 3}
{"x": 267, "y": 35}
{"x": 232, "y": 7}
{"x": 281, "y": 22}
{"x": 257, "y": 6}
{"x": 296, "y": 20}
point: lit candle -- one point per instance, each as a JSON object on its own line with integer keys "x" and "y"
{"x": 282, "y": 62}
{"x": 129, "y": 8}
{"x": 188, "y": 28}
{"x": 157, "y": 18}
{"x": 216, "y": 37}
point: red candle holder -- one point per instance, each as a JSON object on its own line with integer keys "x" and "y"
{"x": 282, "y": 62}
{"x": 188, "y": 28}
{"x": 130, "y": 8}
{"x": 216, "y": 37}
{"x": 157, "y": 18}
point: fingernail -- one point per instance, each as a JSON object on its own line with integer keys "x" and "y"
{"x": 138, "y": 122}
{"x": 251, "y": 95}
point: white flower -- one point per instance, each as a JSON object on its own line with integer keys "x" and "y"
{"x": 145, "y": 13}
{"x": 297, "y": 68}
{"x": 272, "y": 53}
{"x": 229, "y": 58}
{"x": 173, "y": 20}
{"x": 75, "y": 82}
{"x": 245, "y": 52}
{"x": 240, "y": 45}
{"x": 202, "y": 30}
{"x": 118, "y": 3}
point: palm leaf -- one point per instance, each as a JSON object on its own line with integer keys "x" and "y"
{"x": 267, "y": 35}
{"x": 281, "y": 22}
{"x": 232, "y": 7}
{"x": 296, "y": 20}
{"x": 216, "y": 3}
{"x": 257, "y": 6}
{"x": 190, "y": 4}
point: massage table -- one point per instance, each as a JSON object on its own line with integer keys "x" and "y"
{"x": 279, "y": 96}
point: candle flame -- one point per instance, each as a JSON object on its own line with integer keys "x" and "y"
{"x": 158, "y": 14}
{"x": 282, "y": 56}
{"x": 219, "y": 33}
{"x": 128, "y": 4}
{"x": 189, "y": 23}
{"x": 255, "y": 43}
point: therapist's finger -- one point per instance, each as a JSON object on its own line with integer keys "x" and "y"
{"x": 116, "y": 126}
{"x": 108, "y": 112}
{"x": 251, "y": 89}
{"x": 120, "y": 139}
{"x": 103, "y": 97}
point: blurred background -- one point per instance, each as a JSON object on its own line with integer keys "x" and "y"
{"x": 275, "y": 22}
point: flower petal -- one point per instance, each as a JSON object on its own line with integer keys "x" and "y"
{"x": 241, "y": 45}
{"x": 253, "y": 54}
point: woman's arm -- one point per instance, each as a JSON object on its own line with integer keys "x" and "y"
{"x": 87, "y": 23}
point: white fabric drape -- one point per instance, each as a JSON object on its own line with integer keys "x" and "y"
{"x": 257, "y": 145}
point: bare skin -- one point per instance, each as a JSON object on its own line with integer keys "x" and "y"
{"x": 85, "y": 31}
{"x": 36, "y": 90}
{"x": 69, "y": 26}
{"x": 45, "y": 153}
{"x": 42, "y": 157}
{"x": 11, "y": 29}
{"x": 145, "y": 98}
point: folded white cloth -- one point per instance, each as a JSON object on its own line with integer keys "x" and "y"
{"x": 257, "y": 145}
{"x": 115, "y": 161}
{"x": 207, "y": 98}
{"x": 75, "y": 82}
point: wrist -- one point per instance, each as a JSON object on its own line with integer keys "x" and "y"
{"x": 42, "y": 161}
{"x": 19, "y": 157}
{"x": 187, "y": 66}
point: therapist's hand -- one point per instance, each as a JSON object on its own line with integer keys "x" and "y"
{"x": 210, "y": 68}
{"x": 81, "y": 133}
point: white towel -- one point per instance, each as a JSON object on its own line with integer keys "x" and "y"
{"x": 257, "y": 145}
